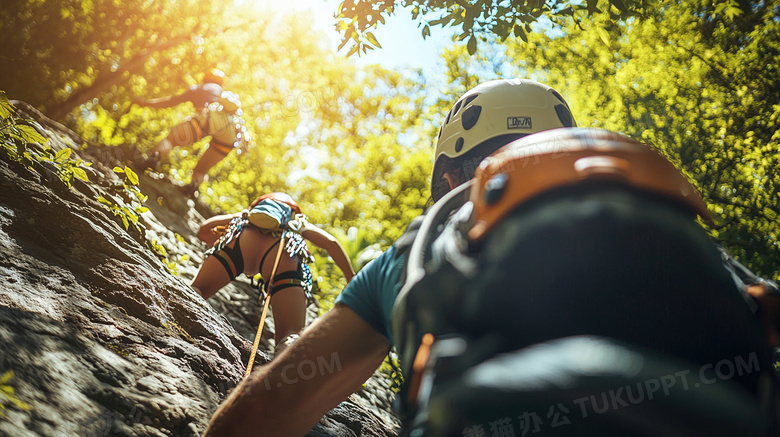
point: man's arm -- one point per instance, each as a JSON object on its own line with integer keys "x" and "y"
{"x": 287, "y": 397}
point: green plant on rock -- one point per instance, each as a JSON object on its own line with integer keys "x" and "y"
{"x": 132, "y": 196}
{"x": 21, "y": 140}
{"x": 68, "y": 169}
{"x": 7, "y": 394}
{"x": 169, "y": 260}
{"x": 174, "y": 328}
{"x": 391, "y": 369}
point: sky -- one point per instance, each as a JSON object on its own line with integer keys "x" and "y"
{"x": 402, "y": 43}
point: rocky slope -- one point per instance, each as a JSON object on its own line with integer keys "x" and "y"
{"x": 102, "y": 338}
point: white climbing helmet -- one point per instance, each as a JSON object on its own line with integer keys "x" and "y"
{"x": 516, "y": 107}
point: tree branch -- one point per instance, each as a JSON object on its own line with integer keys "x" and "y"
{"x": 104, "y": 81}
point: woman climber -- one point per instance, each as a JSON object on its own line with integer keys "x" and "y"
{"x": 249, "y": 242}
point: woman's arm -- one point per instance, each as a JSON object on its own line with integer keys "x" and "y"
{"x": 328, "y": 242}
{"x": 207, "y": 232}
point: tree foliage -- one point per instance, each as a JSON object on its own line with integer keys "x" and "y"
{"x": 476, "y": 19}
{"x": 699, "y": 81}
{"x": 348, "y": 144}
{"x": 68, "y": 52}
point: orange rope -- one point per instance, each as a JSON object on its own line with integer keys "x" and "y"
{"x": 265, "y": 310}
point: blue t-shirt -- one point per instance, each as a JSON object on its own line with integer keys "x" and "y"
{"x": 372, "y": 292}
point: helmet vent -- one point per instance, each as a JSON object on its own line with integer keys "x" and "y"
{"x": 559, "y": 97}
{"x": 459, "y": 144}
{"x": 469, "y": 99}
{"x": 564, "y": 115}
{"x": 470, "y": 116}
{"x": 456, "y": 108}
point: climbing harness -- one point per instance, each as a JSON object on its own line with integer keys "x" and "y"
{"x": 230, "y": 258}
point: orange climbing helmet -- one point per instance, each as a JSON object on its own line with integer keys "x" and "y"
{"x": 214, "y": 76}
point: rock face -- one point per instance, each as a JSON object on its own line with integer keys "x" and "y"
{"x": 102, "y": 338}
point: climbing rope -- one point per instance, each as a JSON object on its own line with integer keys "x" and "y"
{"x": 267, "y": 300}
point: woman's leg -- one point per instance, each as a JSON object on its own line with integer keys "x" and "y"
{"x": 184, "y": 133}
{"x": 289, "y": 310}
{"x": 210, "y": 278}
{"x": 210, "y": 157}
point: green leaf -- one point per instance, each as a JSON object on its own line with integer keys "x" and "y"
{"x": 440, "y": 21}
{"x": 470, "y": 14}
{"x": 343, "y": 43}
{"x": 372, "y": 39}
{"x": 732, "y": 11}
{"x": 603, "y": 35}
{"x": 131, "y": 175}
{"x": 63, "y": 154}
{"x": 118, "y": 170}
{"x": 619, "y": 4}
{"x": 80, "y": 173}
{"x": 472, "y": 45}
{"x": 6, "y": 108}
{"x": 105, "y": 201}
{"x": 501, "y": 29}
{"x": 130, "y": 215}
{"x": 29, "y": 134}
{"x": 520, "y": 33}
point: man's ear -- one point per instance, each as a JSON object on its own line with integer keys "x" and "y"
{"x": 452, "y": 179}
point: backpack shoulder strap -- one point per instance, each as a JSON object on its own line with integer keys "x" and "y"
{"x": 404, "y": 242}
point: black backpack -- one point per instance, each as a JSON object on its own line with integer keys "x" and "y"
{"x": 482, "y": 355}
